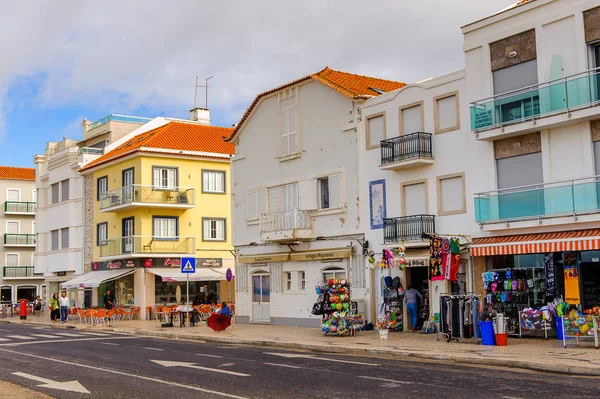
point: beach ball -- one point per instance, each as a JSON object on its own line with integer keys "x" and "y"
{"x": 332, "y": 328}
{"x": 343, "y": 282}
{"x": 345, "y": 306}
{"x": 336, "y": 298}
{"x": 336, "y": 281}
{"x": 339, "y": 306}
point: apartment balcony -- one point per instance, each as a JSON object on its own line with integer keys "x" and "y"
{"x": 135, "y": 196}
{"x": 17, "y": 272}
{"x": 19, "y": 208}
{"x": 19, "y": 240}
{"x": 285, "y": 226}
{"x": 546, "y": 105}
{"x": 407, "y": 228}
{"x": 549, "y": 203}
{"x": 406, "y": 151}
{"x": 146, "y": 246}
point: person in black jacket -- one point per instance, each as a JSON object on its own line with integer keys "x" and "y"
{"x": 108, "y": 300}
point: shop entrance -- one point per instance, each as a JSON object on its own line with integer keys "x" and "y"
{"x": 26, "y": 292}
{"x": 6, "y": 294}
{"x": 590, "y": 279}
{"x": 418, "y": 277}
{"x": 261, "y": 298}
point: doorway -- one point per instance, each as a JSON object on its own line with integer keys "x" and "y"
{"x": 128, "y": 235}
{"x": 26, "y": 292}
{"x": 127, "y": 189}
{"x": 418, "y": 278}
{"x": 261, "y": 298}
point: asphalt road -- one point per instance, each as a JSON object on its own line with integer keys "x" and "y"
{"x": 110, "y": 365}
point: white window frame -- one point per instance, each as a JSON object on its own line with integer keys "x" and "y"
{"x": 99, "y": 241}
{"x": 302, "y": 280}
{"x": 320, "y": 194}
{"x": 12, "y": 253}
{"x": 335, "y": 271}
{"x": 101, "y": 194}
{"x": 33, "y": 227}
{"x": 14, "y": 189}
{"x": 284, "y": 112}
{"x": 157, "y": 230}
{"x": 210, "y": 229}
{"x": 57, "y": 240}
{"x": 18, "y": 222}
{"x": 287, "y": 281}
{"x": 206, "y": 183}
{"x": 160, "y": 178}
{"x": 249, "y": 217}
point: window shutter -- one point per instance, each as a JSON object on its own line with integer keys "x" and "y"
{"x": 412, "y": 119}
{"x": 219, "y": 187}
{"x": 335, "y": 191}
{"x": 252, "y": 206}
{"x": 157, "y": 182}
{"x": 447, "y": 112}
{"x": 171, "y": 178}
{"x": 415, "y": 199}
{"x": 205, "y": 181}
{"x": 293, "y": 147}
{"x": 13, "y": 195}
{"x": 275, "y": 199}
{"x": 206, "y": 229}
{"x": 307, "y": 195}
{"x": 376, "y": 130}
{"x": 12, "y": 260}
{"x": 452, "y": 194}
{"x": 220, "y": 229}
{"x": 262, "y": 202}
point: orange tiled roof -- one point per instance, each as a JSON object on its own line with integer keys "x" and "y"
{"x": 173, "y": 136}
{"x": 348, "y": 84}
{"x": 12, "y": 173}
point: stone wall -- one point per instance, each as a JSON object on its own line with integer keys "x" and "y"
{"x": 591, "y": 23}
{"x": 520, "y": 145}
{"x": 595, "y": 129}
{"x": 522, "y": 43}
{"x": 88, "y": 222}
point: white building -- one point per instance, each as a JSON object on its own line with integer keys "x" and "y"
{"x": 418, "y": 155}
{"x": 296, "y": 203}
{"x": 533, "y": 89}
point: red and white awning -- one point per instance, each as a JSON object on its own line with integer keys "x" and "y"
{"x": 582, "y": 240}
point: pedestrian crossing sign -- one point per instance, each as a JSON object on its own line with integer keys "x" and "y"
{"x": 188, "y": 265}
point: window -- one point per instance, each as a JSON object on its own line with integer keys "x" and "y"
{"x": 54, "y": 236}
{"x": 101, "y": 187}
{"x": 334, "y": 273}
{"x": 101, "y": 233}
{"x": 34, "y": 196}
{"x": 64, "y": 238}
{"x": 213, "y": 181}
{"x": 13, "y": 195}
{"x": 13, "y": 227}
{"x": 597, "y": 157}
{"x": 414, "y": 198}
{"x": 12, "y": 259}
{"x": 411, "y": 118}
{"x": 64, "y": 188}
{"x": 451, "y": 194}
{"x": 329, "y": 191}
{"x": 288, "y": 128}
{"x": 165, "y": 178}
{"x": 302, "y": 280}
{"x": 54, "y": 190}
{"x": 165, "y": 228}
{"x": 519, "y": 171}
{"x": 214, "y": 230}
{"x": 257, "y": 204}
{"x": 287, "y": 281}
{"x": 446, "y": 113}
{"x": 513, "y": 78}
{"x": 375, "y": 130}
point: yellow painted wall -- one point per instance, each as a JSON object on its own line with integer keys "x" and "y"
{"x": 190, "y": 220}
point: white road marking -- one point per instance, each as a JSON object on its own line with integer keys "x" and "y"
{"x": 153, "y": 349}
{"x": 96, "y": 334}
{"x": 226, "y": 365}
{"x": 205, "y": 355}
{"x": 62, "y": 341}
{"x": 283, "y": 365}
{"x": 301, "y": 356}
{"x": 168, "y": 363}
{"x": 1, "y": 329}
{"x": 23, "y": 337}
{"x": 122, "y": 373}
{"x": 45, "y": 335}
{"x": 4, "y": 339}
{"x": 69, "y": 335}
{"x": 391, "y": 382}
{"x": 71, "y": 386}
{"x": 109, "y": 343}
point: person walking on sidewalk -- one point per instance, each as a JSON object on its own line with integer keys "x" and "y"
{"x": 412, "y": 304}
{"x": 108, "y": 300}
{"x": 54, "y": 307}
{"x": 37, "y": 306}
{"x": 64, "y": 307}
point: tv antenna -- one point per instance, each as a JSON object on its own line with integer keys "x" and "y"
{"x": 206, "y": 86}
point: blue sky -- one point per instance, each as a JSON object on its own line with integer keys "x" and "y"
{"x": 63, "y": 61}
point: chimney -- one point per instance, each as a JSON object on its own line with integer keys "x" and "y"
{"x": 201, "y": 115}
{"x": 86, "y": 125}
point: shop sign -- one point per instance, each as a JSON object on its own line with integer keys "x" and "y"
{"x": 549, "y": 266}
{"x": 209, "y": 262}
{"x": 172, "y": 262}
{"x": 321, "y": 255}
{"x": 571, "y": 268}
{"x": 114, "y": 265}
{"x": 61, "y": 274}
{"x": 147, "y": 262}
{"x": 250, "y": 259}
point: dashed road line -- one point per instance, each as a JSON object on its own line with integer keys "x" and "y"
{"x": 23, "y": 337}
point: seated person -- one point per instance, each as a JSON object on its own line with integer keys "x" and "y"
{"x": 225, "y": 310}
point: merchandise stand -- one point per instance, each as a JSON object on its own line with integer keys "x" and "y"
{"x": 459, "y": 316}
{"x": 534, "y": 325}
{"x": 394, "y": 304}
{"x": 583, "y": 328}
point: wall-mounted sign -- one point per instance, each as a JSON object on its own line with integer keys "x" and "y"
{"x": 229, "y": 275}
{"x": 172, "y": 262}
{"x": 115, "y": 264}
{"x": 324, "y": 254}
{"x": 209, "y": 262}
{"x": 147, "y": 262}
{"x": 267, "y": 258}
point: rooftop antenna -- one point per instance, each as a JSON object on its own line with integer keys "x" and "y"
{"x": 206, "y": 86}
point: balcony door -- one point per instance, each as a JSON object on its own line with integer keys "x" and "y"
{"x": 127, "y": 187}
{"x": 284, "y": 201}
{"x": 261, "y": 298}
{"x": 127, "y": 236}
{"x": 522, "y": 171}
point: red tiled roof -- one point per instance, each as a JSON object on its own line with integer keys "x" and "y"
{"x": 174, "y": 136}
{"x": 12, "y": 173}
{"x": 348, "y": 84}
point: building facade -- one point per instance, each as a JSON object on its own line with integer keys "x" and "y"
{"x": 161, "y": 196}
{"x": 19, "y": 197}
{"x": 532, "y": 82}
{"x": 296, "y": 196}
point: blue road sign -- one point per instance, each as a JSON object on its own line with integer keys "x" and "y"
{"x": 188, "y": 265}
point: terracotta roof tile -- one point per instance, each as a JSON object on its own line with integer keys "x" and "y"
{"x": 12, "y": 173}
{"x": 174, "y": 136}
{"x": 349, "y": 84}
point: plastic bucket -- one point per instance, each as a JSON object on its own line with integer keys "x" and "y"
{"x": 383, "y": 334}
{"x": 487, "y": 333}
{"x": 559, "y": 328}
{"x": 501, "y": 339}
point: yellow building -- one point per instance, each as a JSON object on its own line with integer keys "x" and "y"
{"x": 159, "y": 197}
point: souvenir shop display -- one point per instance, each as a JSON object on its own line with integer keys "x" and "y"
{"x": 538, "y": 321}
{"x": 423, "y": 315}
{"x": 459, "y": 316}
{"x": 333, "y": 305}
{"x": 580, "y": 327}
{"x": 393, "y": 303}
{"x": 444, "y": 258}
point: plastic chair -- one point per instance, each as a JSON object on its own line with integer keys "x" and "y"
{"x": 111, "y": 317}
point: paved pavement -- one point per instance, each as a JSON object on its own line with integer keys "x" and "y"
{"x": 113, "y": 365}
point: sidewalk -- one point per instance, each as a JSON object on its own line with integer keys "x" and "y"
{"x": 527, "y": 353}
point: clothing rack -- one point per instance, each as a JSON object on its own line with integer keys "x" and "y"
{"x": 459, "y": 316}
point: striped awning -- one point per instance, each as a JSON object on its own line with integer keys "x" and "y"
{"x": 582, "y": 240}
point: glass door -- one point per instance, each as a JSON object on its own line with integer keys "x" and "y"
{"x": 127, "y": 195}
{"x": 128, "y": 235}
{"x": 261, "y": 298}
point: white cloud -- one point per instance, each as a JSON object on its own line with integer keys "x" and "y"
{"x": 123, "y": 54}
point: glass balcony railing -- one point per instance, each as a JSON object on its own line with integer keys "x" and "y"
{"x": 19, "y": 239}
{"x": 407, "y": 228}
{"x": 409, "y": 146}
{"x": 539, "y": 201}
{"x": 19, "y": 272}
{"x": 119, "y": 118}
{"x": 147, "y": 195}
{"x": 19, "y": 207}
{"x": 544, "y": 99}
{"x": 147, "y": 245}
{"x": 91, "y": 150}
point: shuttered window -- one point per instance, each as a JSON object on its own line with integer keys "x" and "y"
{"x": 415, "y": 199}
{"x": 165, "y": 178}
{"x": 412, "y": 119}
{"x": 257, "y": 204}
{"x": 375, "y": 131}
{"x": 451, "y": 194}
{"x": 522, "y": 170}
{"x": 330, "y": 191}
{"x": 288, "y": 124}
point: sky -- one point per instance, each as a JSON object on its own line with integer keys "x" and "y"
{"x": 66, "y": 60}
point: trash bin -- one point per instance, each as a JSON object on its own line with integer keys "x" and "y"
{"x": 487, "y": 333}
{"x": 501, "y": 330}
{"x": 559, "y": 328}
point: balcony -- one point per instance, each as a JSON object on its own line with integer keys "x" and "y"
{"x": 19, "y": 208}
{"x": 136, "y": 195}
{"x": 558, "y": 102}
{"x": 19, "y": 240}
{"x": 285, "y": 226}
{"x": 406, "y": 151}
{"x": 407, "y": 228}
{"x": 20, "y": 272}
{"x": 574, "y": 199}
{"x": 141, "y": 246}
